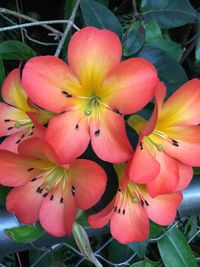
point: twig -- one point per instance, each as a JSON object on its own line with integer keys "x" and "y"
{"x": 16, "y": 14}
{"x": 69, "y": 25}
{"x": 37, "y": 23}
{"x": 135, "y": 11}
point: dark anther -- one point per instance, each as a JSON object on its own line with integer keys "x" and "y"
{"x": 117, "y": 111}
{"x": 18, "y": 141}
{"x": 41, "y": 190}
{"x": 38, "y": 189}
{"x": 146, "y": 203}
{"x": 119, "y": 210}
{"x": 115, "y": 209}
{"x": 10, "y": 128}
{"x": 97, "y": 132}
{"x": 30, "y": 169}
{"x": 119, "y": 190}
{"x": 51, "y": 198}
{"x": 174, "y": 141}
{"x": 61, "y": 200}
{"x": 124, "y": 211}
{"x": 34, "y": 179}
{"x": 6, "y": 120}
{"x": 30, "y": 134}
{"x": 76, "y": 127}
{"x": 73, "y": 190}
{"x": 142, "y": 202}
{"x": 66, "y": 94}
{"x": 175, "y": 144}
{"x": 141, "y": 146}
{"x": 33, "y": 127}
{"x": 22, "y": 136}
{"x": 45, "y": 194}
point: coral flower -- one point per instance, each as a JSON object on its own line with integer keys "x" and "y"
{"x": 46, "y": 189}
{"x": 169, "y": 143}
{"x": 91, "y": 93}
{"x": 132, "y": 207}
{"x": 18, "y": 118}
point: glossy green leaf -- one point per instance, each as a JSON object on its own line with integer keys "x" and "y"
{"x": 96, "y": 14}
{"x": 197, "y": 50}
{"x": 139, "y": 247}
{"x": 25, "y": 233}
{"x": 2, "y": 72}
{"x": 133, "y": 43}
{"x": 3, "y": 193}
{"x": 15, "y": 50}
{"x": 155, "y": 230}
{"x": 118, "y": 252}
{"x": 145, "y": 263}
{"x": 104, "y": 2}
{"x": 175, "y": 251}
{"x": 152, "y": 31}
{"x": 169, "y": 71}
{"x": 168, "y": 13}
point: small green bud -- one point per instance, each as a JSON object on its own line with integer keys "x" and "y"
{"x": 88, "y": 112}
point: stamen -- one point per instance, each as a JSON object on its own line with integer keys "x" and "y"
{"x": 175, "y": 144}
{"x": 115, "y": 209}
{"x": 146, "y": 203}
{"x": 124, "y": 211}
{"x": 119, "y": 210}
{"x": 73, "y": 190}
{"x": 34, "y": 179}
{"x": 77, "y": 126}
{"x": 18, "y": 141}
{"x": 6, "y": 120}
{"x": 142, "y": 202}
{"x": 51, "y": 198}
{"x": 10, "y": 128}
{"x": 30, "y": 169}
{"x": 141, "y": 146}
{"x": 119, "y": 190}
{"x": 45, "y": 194}
{"x": 38, "y": 189}
{"x": 97, "y": 132}
{"x": 61, "y": 200}
{"x": 66, "y": 94}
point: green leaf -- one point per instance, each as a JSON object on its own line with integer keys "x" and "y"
{"x": 169, "y": 71}
{"x": 104, "y": 2}
{"x": 139, "y": 247}
{"x": 197, "y": 50}
{"x": 25, "y": 233}
{"x": 3, "y": 193}
{"x": 168, "y": 13}
{"x": 96, "y": 14}
{"x": 15, "y": 50}
{"x": 145, "y": 263}
{"x": 2, "y": 72}
{"x": 152, "y": 31}
{"x": 196, "y": 170}
{"x": 68, "y": 7}
{"x": 175, "y": 251}
{"x": 155, "y": 230}
{"x": 118, "y": 252}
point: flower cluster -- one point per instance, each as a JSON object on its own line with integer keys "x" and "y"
{"x": 54, "y": 110}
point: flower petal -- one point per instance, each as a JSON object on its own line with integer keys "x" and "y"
{"x": 69, "y": 212}
{"x": 45, "y": 78}
{"x": 9, "y": 116}
{"x": 101, "y": 218}
{"x": 187, "y": 149}
{"x": 133, "y": 226}
{"x": 14, "y": 169}
{"x": 185, "y": 176}
{"x": 69, "y": 135}
{"x": 38, "y": 149}
{"x": 91, "y": 54}
{"x": 162, "y": 209}
{"x": 160, "y": 93}
{"x": 109, "y": 139}
{"x": 25, "y": 202}
{"x": 13, "y": 93}
{"x": 167, "y": 179}
{"x": 143, "y": 166}
{"x": 88, "y": 181}
{"x": 183, "y": 106}
{"x": 52, "y": 213}
{"x": 132, "y": 82}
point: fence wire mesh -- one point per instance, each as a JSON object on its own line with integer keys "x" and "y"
{"x": 69, "y": 255}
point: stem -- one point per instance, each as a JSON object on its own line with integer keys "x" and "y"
{"x": 36, "y": 23}
{"x": 69, "y": 25}
{"x": 19, "y": 15}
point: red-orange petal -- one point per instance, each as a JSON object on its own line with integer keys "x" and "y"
{"x": 109, "y": 139}
{"x": 92, "y": 53}
{"x": 133, "y": 226}
{"x": 25, "y": 202}
{"x": 45, "y": 78}
{"x": 88, "y": 182}
{"x": 69, "y": 135}
{"x": 130, "y": 85}
{"x": 162, "y": 209}
{"x": 143, "y": 166}
{"x": 182, "y": 108}
{"x": 185, "y": 176}
{"x": 168, "y": 177}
